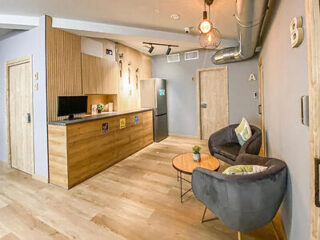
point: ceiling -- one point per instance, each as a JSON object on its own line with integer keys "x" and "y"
{"x": 152, "y": 14}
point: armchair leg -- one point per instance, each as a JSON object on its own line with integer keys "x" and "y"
{"x": 239, "y": 236}
{"x": 204, "y": 214}
{"x": 275, "y": 231}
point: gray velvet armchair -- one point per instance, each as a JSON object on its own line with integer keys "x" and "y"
{"x": 243, "y": 202}
{"x": 224, "y": 144}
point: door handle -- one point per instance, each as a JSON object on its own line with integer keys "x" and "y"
{"x": 203, "y": 105}
{"x": 316, "y": 182}
{"x": 28, "y": 118}
{"x": 259, "y": 109}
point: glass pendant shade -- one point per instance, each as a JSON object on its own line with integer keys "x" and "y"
{"x": 210, "y": 40}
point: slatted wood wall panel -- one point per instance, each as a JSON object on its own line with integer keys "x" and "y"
{"x": 63, "y": 66}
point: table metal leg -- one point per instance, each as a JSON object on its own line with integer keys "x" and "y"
{"x": 181, "y": 188}
{"x": 183, "y": 179}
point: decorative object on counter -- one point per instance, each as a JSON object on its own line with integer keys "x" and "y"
{"x": 94, "y": 109}
{"x": 122, "y": 123}
{"x": 106, "y": 107}
{"x": 105, "y": 128}
{"x": 110, "y": 106}
{"x": 100, "y": 107}
{"x": 196, "y": 153}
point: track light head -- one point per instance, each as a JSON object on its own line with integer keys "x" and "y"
{"x": 168, "y": 50}
{"x": 151, "y": 49}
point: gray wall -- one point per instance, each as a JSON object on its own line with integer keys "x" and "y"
{"x": 182, "y": 94}
{"x": 285, "y": 80}
{"x": 17, "y": 45}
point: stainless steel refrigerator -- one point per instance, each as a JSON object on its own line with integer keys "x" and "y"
{"x": 153, "y": 94}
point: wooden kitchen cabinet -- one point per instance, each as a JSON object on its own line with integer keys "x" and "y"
{"x": 99, "y": 75}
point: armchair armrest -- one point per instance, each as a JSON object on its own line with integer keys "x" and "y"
{"x": 223, "y": 136}
{"x": 249, "y": 159}
{"x": 253, "y": 144}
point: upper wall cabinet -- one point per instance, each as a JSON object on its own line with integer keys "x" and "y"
{"x": 99, "y": 75}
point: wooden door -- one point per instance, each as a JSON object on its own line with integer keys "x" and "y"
{"x": 20, "y": 115}
{"x": 313, "y": 37}
{"x": 261, "y": 109}
{"x": 212, "y": 100}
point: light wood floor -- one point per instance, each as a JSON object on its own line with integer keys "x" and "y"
{"x": 137, "y": 198}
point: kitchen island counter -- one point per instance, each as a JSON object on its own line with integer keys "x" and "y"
{"x": 81, "y": 148}
{"x": 97, "y": 117}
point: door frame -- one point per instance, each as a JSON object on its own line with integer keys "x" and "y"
{"x": 8, "y": 64}
{"x": 312, "y": 9}
{"x": 199, "y": 93}
{"x": 261, "y": 106}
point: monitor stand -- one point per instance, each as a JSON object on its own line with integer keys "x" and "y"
{"x": 71, "y": 117}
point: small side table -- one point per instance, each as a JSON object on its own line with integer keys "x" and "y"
{"x": 184, "y": 163}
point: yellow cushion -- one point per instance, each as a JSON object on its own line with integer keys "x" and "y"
{"x": 244, "y": 169}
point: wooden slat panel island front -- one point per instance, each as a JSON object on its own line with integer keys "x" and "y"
{"x": 80, "y": 150}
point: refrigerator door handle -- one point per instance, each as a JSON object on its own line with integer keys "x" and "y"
{"x": 160, "y": 115}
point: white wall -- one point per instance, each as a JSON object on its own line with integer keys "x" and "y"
{"x": 17, "y": 45}
{"x": 285, "y": 80}
{"x": 182, "y": 93}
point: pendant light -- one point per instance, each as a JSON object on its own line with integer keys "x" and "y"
{"x": 210, "y": 40}
{"x": 210, "y": 37}
{"x": 205, "y": 25}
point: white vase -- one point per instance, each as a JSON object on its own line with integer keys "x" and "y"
{"x": 196, "y": 157}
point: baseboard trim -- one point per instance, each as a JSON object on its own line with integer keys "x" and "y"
{"x": 184, "y": 136}
{"x": 40, "y": 178}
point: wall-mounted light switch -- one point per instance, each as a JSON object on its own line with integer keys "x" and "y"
{"x": 36, "y": 86}
{"x": 255, "y": 95}
{"x": 36, "y": 76}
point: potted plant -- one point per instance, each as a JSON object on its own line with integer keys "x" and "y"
{"x": 100, "y": 107}
{"x": 196, "y": 153}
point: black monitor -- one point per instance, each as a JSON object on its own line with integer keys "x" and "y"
{"x": 70, "y": 105}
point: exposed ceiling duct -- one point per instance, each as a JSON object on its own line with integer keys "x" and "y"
{"x": 250, "y": 16}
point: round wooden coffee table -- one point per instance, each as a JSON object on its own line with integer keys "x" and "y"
{"x": 184, "y": 163}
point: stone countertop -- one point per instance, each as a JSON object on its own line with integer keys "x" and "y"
{"x": 97, "y": 117}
